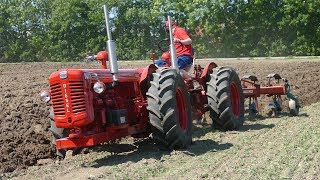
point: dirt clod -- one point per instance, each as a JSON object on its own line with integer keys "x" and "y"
{"x": 38, "y": 129}
{"x": 41, "y": 162}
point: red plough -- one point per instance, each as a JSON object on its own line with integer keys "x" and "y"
{"x": 275, "y": 88}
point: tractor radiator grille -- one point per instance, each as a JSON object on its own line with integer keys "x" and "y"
{"x": 77, "y": 96}
{"x": 57, "y": 100}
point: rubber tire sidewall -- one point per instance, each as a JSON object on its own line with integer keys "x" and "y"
{"x": 57, "y": 133}
{"x": 218, "y": 94}
{"x": 163, "y": 109}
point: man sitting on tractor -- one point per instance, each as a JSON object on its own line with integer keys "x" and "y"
{"x": 183, "y": 44}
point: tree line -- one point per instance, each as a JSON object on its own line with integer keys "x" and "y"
{"x": 59, "y": 30}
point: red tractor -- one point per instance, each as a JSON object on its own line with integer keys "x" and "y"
{"x": 92, "y": 106}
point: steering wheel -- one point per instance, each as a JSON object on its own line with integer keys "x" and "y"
{"x": 164, "y": 44}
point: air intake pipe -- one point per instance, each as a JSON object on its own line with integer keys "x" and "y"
{"x": 111, "y": 49}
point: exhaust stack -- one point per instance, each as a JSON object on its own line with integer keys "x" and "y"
{"x": 173, "y": 53}
{"x": 111, "y": 49}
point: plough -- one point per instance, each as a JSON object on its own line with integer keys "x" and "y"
{"x": 275, "y": 88}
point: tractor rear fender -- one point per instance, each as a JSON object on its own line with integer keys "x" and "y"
{"x": 207, "y": 71}
{"x": 145, "y": 78}
{"x": 146, "y": 71}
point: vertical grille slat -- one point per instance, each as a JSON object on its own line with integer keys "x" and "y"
{"x": 57, "y": 100}
{"x": 77, "y": 96}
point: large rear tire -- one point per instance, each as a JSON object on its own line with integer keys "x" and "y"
{"x": 170, "y": 110}
{"x": 225, "y": 99}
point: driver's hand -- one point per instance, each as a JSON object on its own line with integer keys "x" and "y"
{"x": 176, "y": 40}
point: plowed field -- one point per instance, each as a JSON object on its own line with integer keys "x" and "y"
{"x": 24, "y": 136}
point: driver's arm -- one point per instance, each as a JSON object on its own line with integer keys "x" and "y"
{"x": 182, "y": 37}
{"x": 184, "y": 42}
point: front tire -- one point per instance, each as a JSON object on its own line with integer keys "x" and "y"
{"x": 57, "y": 133}
{"x": 225, "y": 99}
{"x": 170, "y": 110}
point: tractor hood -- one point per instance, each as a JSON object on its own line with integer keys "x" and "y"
{"x": 124, "y": 75}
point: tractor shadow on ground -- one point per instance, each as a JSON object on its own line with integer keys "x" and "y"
{"x": 303, "y": 115}
{"x": 256, "y": 126}
{"x": 133, "y": 152}
{"x": 255, "y": 118}
{"x": 201, "y": 129}
{"x": 146, "y": 149}
{"x": 268, "y": 116}
{"x": 287, "y": 114}
{"x": 200, "y": 147}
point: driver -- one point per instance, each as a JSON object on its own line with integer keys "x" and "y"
{"x": 182, "y": 42}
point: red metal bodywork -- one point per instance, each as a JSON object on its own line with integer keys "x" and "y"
{"x": 87, "y": 114}
{"x": 198, "y": 96}
{"x": 103, "y": 57}
{"x": 252, "y": 90}
{"x": 235, "y": 99}
{"x": 182, "y": 110}
{"x": 69, "y": 106}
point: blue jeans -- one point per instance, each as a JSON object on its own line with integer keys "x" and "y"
{"x": 183, "y": 62}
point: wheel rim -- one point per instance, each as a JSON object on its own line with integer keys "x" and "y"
{"x": 181, "y": 109}
{"x": 235, "y": 99}
{"x": 294, "y": 108}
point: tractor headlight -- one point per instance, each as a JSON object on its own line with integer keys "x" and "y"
{"x": 99, "y": 87}
{"x": 45, "y": 96}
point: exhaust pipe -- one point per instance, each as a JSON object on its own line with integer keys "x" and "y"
{"x": 111, "y": 49}
{"x": 173, "y": 53}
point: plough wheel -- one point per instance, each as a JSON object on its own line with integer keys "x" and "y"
{"x": 170, "y": 110}
{"x": 225, "y": 99}
{"x": 294, "y": 107}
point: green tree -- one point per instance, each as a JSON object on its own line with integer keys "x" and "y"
{"x": 68, "y": 30}
{"x": 301, "y": 26}
{"x": 58, "y": 30}
{"x": 22, "y": 29}
{"x": 135, "y": 29}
